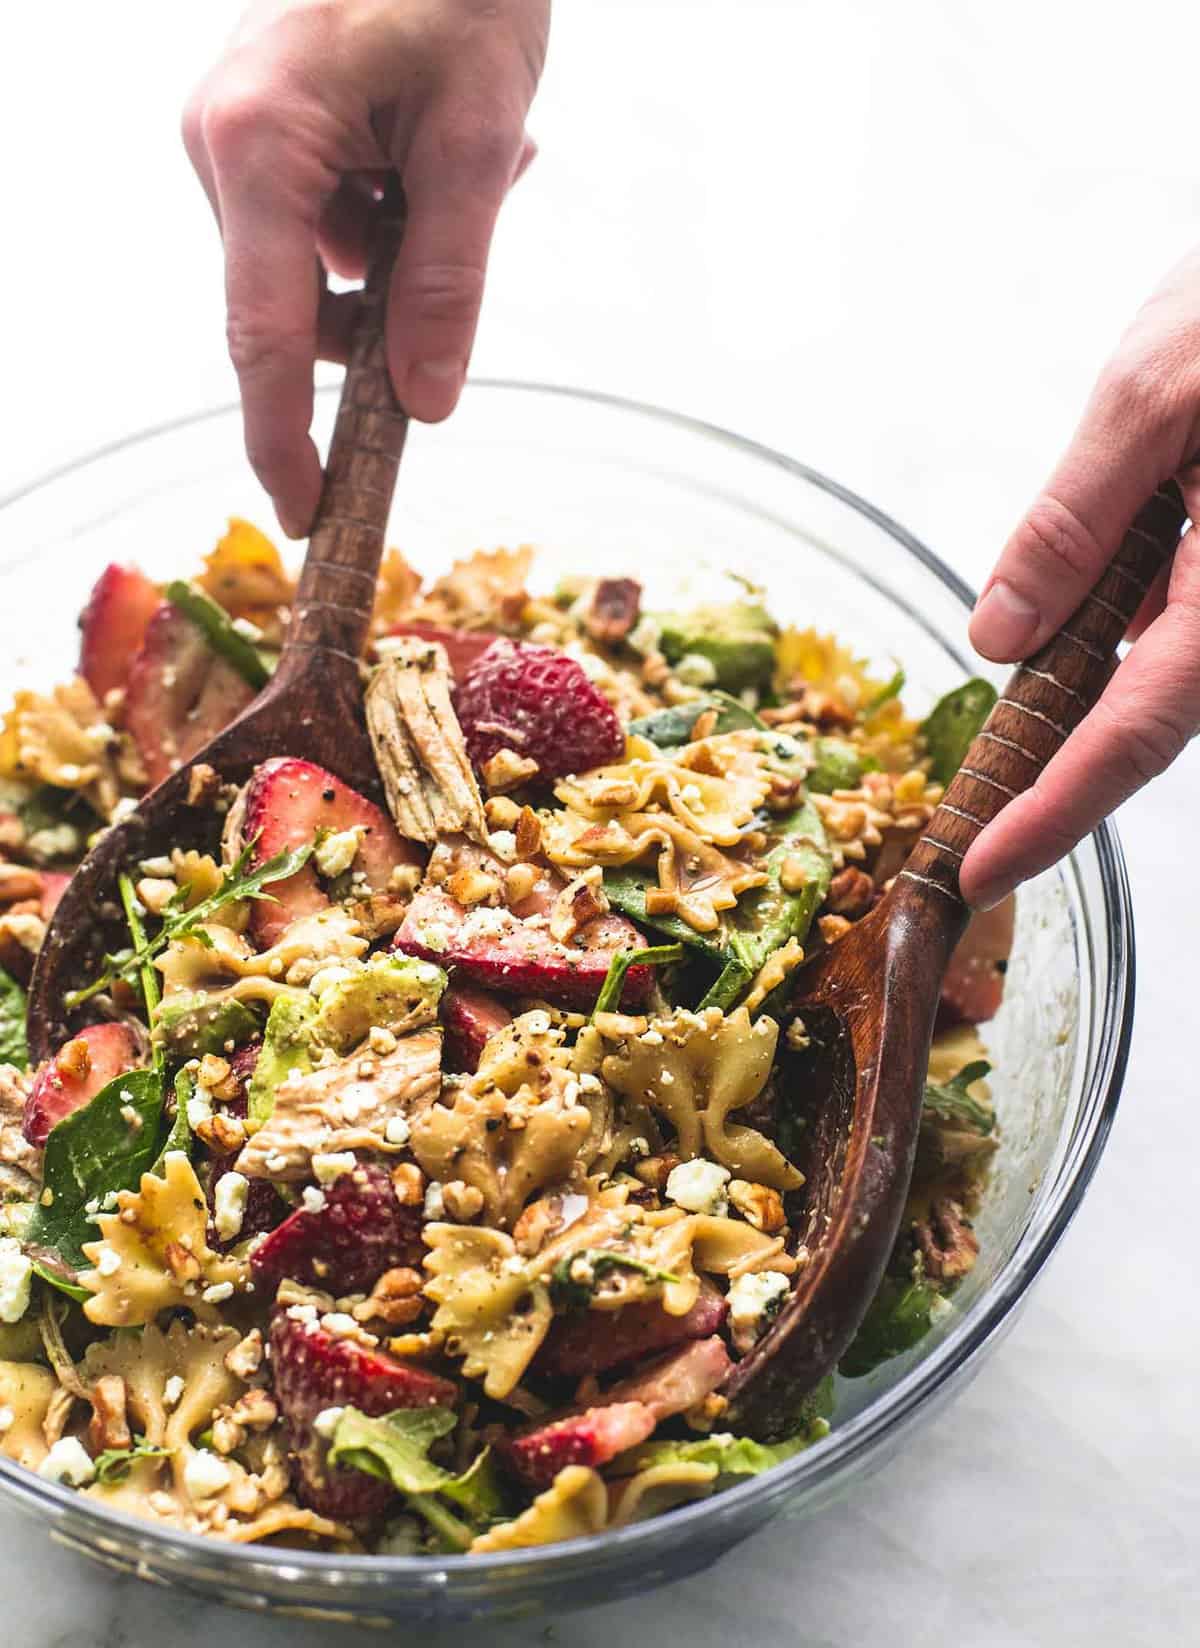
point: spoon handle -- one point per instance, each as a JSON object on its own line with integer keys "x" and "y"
{"x": 1046, "y": 698}
{"x": 336, "y": 592}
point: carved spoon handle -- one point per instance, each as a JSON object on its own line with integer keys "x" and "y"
{"x": 1045, "y": 700}
{"x": 337, "y": 584}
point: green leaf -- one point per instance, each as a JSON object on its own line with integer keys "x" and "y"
{"x": 670, "y": 728}
{"x": 218, "y": 630}
{"x": 899, "y": 1317}
{"x": 179, "y": 1135}
{"x": 568, "y": 1292}
{"x": 115, "y": 1464}
{"x": 728, "y": 1455}
{"x": 891, "y": 689}
{"x": 147, "y": 974}
{"x": 48, "y": 808}
{"x": 952, "y": 1102}
{"x": 395, "y": 1447}
{"x": 660, "y": 955}
{"x": 837, "y": 765}
{"x": 626, "y": 891}
{"x": 731, "y": 983}
{"x": 952, "y": 724}
{"x": 91, "y": 1153}
{"x": 14, "y": 1049}
{"x": 479, "y": 1490}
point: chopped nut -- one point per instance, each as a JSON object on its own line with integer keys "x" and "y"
{"x": 409, "y": 1184}
{"x": 500, "y": 812}
{"x": 184, "y": 1266}
{"x": 656, "y": 1170}
{"x": 470, "y": 885}
{"x": 204, "y": 783}
{"x": 797, "y": 1036}
{"x": 537, "y": 1221}
{"x": 850, "y": 893}
{"x": 947, "y": 1241}
{"x": 155, "y": 892}
{"x": 793, "y": 876}
{"x": 216, "y": 1074}
{"x": 529, "y": 833}
{"x": 758, "y": 1204}
{"x": 613, "y": 610}
{"x": 223, "y": 1134}
{"x": 74, "y": 1060}
{"x": 579, "y": 903}
{"x": 833, "y": 928}
{"x": 655, "y": 669}
{"x": 463, "y": 1202}
{"x": 519, "y": 882}
{"x": 17, "y": 883}
{"x": 396, "y": 1298}
{"x": 506, "y": 770}
{"x": 109, "y": 1426}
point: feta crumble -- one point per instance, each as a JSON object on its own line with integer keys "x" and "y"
{"x": 229, "y": 1204}
{"x": 753, "y": 1301}
{"x": 698, "y": 1186}
{"x": 172, "y": 1390}
{"x": 397, "y": 1130}
{"x": 68, "y": 1461}
{"x": 312, "y": 1200}
{"x": 16, "y": 1275}
{"x": 330, "y": 1165}
{"x": 326, "y": 1422}
{"x": 205, "y": 1475}
{"x": 217, "y": 1293}
{"x": 336, "y": 852}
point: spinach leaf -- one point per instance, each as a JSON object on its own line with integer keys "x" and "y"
{"x": 952, "y": 724}
{"x": 569, "y": 1292}
{"x": 899, "y": 1317}
{"x": 661, "y": 955}
{"x": 218, "y": 629}
{"x": 626, "y": 891}
{"x": 14, "y": 1049}
{"x": 105, "y": 1146}
{"x": 669, "y": 728}
{"x": 179, "y": 1135}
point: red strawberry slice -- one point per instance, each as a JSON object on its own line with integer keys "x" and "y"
{"x": 76, "y": 1073}
{"x": 591, "y": 1341}
{"x": 539, "y": 702}
{"x": 345, "y": 1247}
{"x": 463, "y": 646}
{"x": 592, "y": 1437}
{"x": 54, "y": 885}
{"x": 974, "y": 983}
{"x": 470, "y": 1018}
{"x": 495, "y": 949}
{"x": 180, "y": 693}
{"x": 114, "y": 622}
{"x": 312, "y": 1370}
{"x": 287, "y": 802}
{"x": 678, "y": 1380}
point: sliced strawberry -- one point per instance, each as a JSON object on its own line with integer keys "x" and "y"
{"x": 592, "y": 1437}
{"x": 591, "y": 1341}
{"x": 345, "y": 1247}
{"x": 180, "y": 693}
{"x": 76, "y": 1073}
{"x": 287, "y": 802}
{"x": 678, "y": 1380}
{"x": 499, "y": 951}
{"x": 540, "y": 703}
{"x": 54, "y": 885}
{"x": 312, "y": 1370}
{"x": 114, "y": 622}
{"x": 974, "y": 983}
{"x": 463, "y": 646}
{"x": 470, "y": 1018}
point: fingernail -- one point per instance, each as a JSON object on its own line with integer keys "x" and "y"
{"x": 292, "y": 526}
{"x": 432, "y": 387}
{"x": 1004, "y": 623}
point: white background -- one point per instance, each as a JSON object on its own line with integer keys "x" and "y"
{"x": 895, "y": 241}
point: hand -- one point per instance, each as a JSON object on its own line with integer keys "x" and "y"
{"x": 1141, "y": 426}
{"x": 311, "y": 98}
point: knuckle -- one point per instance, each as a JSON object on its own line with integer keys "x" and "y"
{"x": 233, "y": 118}
{"x": 1138, "y": 388}
{"x": 255, "y": 346}
{"x": 447, "y": 292}
{"x": 1058, "y": 543}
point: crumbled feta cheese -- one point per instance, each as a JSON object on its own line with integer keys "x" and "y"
{"x": 229, "y": 1204}
{"x": 325, "y": 978}
{"x": 16, "y": 1275}
{"x": 504, "y": 844}
{"x": 172, "y": 1390}
{"x": 307, "y": 1314}
{"x": 645, "y": 635}
{"x": 753, "y": 1301}
{"x": 434, "y": 935}
{"x": 326, "y": 1421}
{"x": 695, "y": 670}
{"x": 205, "y": 1475}
{"x": 698, "y": 1186}
{"x": 108, "y": 1260}
{"x": 199, "y": 1108}
{"x": 336, "y": 852}
{"x": 130, "y": 1117}
{"x": 381, "y": 1040}
{"x": 330, "y": 1165}
{"x": 312, "y": 1200}
{"x": 651, "y": 1038}
{"x": 55, "y": 841}
{"x": 537, "y": 1022}
{"x": 485, "y": 923}
{"x": 217, "y": 1293}
{"x": 397, "y": 1130}
{"x": 402, "y": 1537}
{"x": 68, "y": 1461}
{"x": 340, "y": 1323}
{"x": 435, "y": 1204}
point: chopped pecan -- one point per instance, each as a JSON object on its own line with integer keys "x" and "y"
{"x": 395, "y": 1300}
{"x": 758, "y": 1204}
{"x": 613, "y": 610}
{"x": 850, "y": 893}
{"x": 948, "y": 1244}
{"x": 506, "y": 770}
{"x": 580, "y": 902}
{"x": 109, "y": 1425}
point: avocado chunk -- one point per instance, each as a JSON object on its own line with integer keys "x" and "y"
{"x": 838, "y": 765}
{"x": 396, "y": 993}
{"x": 192, "y": 1025}
{"x": 287, "y": 1046}
{"x": 737, "y": 639}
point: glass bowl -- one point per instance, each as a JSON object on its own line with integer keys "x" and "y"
{"x": 604, "y": 485}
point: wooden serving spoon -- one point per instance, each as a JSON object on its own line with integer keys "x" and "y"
{"x": 868, "y": 1002}
{"x": 311, "y": 707}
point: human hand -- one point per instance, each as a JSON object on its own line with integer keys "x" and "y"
{"x": 1141, "y": 426}
{"x": 309, "y": 99}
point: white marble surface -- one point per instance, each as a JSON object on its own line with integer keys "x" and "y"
{"x": 895, "y": 241}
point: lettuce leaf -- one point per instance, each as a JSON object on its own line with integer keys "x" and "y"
{"x": 727, "y": 1454}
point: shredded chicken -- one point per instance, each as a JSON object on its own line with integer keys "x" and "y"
{"x": 419, "y": 746}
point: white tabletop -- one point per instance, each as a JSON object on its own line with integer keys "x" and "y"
{"x": 895, "y": 241}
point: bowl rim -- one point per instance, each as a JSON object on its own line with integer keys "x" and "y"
{"x": 950, "y": 1360}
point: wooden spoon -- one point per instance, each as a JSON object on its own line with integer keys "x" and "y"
{"x": 311, "y": 707}
{"x": 868, "y": 1002}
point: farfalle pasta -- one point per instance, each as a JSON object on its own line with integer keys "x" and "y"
{"x": 416, "y": 1175}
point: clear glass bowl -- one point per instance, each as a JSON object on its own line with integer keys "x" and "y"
{"x": 607, "y": 486}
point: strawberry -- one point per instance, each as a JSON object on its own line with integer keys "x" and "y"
{"x": 974, "y": 983}
{"x": 592, "y": 1437}
{"x": 312, "y": 1370}
{"x": 114, "y": 622}
{"x": 590, "y": 1341}
{"x": 469, "y": 1018}
{"x": 463, "y": 646}
{"x": 497, "y": 950}
{"x": 539, "y": 702}
{"x": 345, "y": 1247}
{"x": 54, "y": 885}
{"x": 287, "y": 802}
{"x": 678, "y": 1380}
{"x": 180, "y": 693}
{"x": 76, "y": 1073}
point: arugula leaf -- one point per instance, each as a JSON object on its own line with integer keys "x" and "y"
{"x": 14, "y": 1049}
{"x": 219, "y": 631}
{"x": 952, "y": 724}
{"x": 660, "y": 955}
{"x": 899, "y": 1317}
{"x": 952, "y": 1102}
{"x": 669, "y": 728}
{"x": 133, "y": 919}
{"x": 115, "y": 1464}
{"x": 569, "y": 1293}
{"x": 395, "y": 1447}
{"x": 90, "y": 1153}
{"x": 237, "y": 883}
